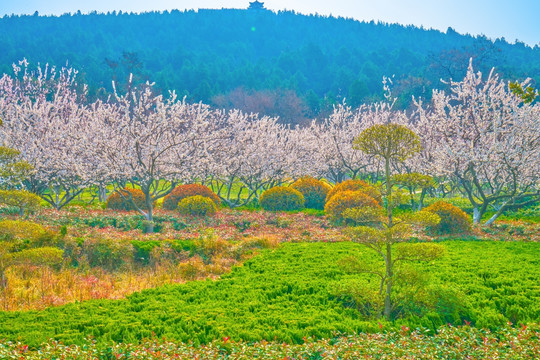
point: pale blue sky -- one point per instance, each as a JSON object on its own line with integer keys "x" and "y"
{"x": 511, "y": 19}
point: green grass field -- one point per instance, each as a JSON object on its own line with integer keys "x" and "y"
{"x": 288, "y": 294}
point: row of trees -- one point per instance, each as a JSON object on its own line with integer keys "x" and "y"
{"x": 480, "y": 138}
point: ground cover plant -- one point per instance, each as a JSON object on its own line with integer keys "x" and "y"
{"x": 289, "y": 293}
{"x": 462, "y": 342}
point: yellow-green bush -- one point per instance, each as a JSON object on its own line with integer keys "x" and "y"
{"x": 22, "y": 199}
{"x": 344, "y": 200}
{"x": 25, "y": 233}
{"x": 122, "y": 201}
{"x": 356, "y": 185}
{"x": 197, "y": 206}
{"x": 453, "y": 219}
{"x": 314, "y": 191}
{"x": 282, "y": 198}
{"x": 170, "y": 202}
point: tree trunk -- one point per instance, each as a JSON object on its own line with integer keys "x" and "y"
{"x": 389, "y": 274}
{"x": 497, "y": 214}
{"x": 102, "y": 193}
{"x": 477, "y": 217}
{"x": 421, "y": 201}
{"x": 3, "y": 279}
{"x": 149, "y": 215}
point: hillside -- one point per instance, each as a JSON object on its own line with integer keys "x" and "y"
{"x": 284, "y": 63}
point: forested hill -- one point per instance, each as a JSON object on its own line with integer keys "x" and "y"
{"x": 276, "y": 63}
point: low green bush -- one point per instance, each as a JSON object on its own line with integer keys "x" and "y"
{"x": 110, "y": 254}
{"x": 282, "y": 198}
{"x": 314, "y": 191}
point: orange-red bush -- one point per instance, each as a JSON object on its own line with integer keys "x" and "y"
{"x": 122, "y": 202}
{"x": 453, "y": 219}
{"x": 170, "y": 202}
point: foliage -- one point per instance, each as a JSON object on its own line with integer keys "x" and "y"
{"x": 314, "y": 191}
{"x": 356, "y": 185}
{"x": 497, "y": 279}
{"x": 197, "y": 206}
{"x": 282, "y": 198}
{"x": 527, "y": 95}
{"x": 414, "y": 180}
{"x": 337, "y": 205}
{"x": 22, "y": 199}
{"x": 453, "y": 219}
{"x": 13, "y": 170}
{"x": 25, "y": 234}
{"x": 170, "y": 202}
{"x": 393, "y": 141}
{"x": 122, "y": 200}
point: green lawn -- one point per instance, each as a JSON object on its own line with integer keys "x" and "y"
{"x": 288, "y": 293}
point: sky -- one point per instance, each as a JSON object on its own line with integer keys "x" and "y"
{"x": 511, "y": 19}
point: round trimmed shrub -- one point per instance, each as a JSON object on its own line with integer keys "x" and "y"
{"x": 453, "y": 219}
{"x": 122, "y": 202}
{"x": 282, "y": 198}
{"x": 197, "y": 206}
{"x": 170, "y": 202}
{"x": 343, "y": 200}
{"x": 356, "y": 185}
{"x": 314, "y": 191}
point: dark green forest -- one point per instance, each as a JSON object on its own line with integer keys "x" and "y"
{"x": 284, "y": 63}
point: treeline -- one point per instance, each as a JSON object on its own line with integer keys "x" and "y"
{"x": 285, "y": 64}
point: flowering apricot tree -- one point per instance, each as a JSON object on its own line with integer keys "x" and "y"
{"x": 45, "y": 120}
{"x": 151, "y": 142}
{"x": 488, "y": 139}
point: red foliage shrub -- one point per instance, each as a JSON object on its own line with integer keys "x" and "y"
{"x": 170, "y": 202}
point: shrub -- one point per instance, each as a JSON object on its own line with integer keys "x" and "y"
{"x": 122, "y": 201}
{"x": 356, "y": 185}
{"x": 282, "y": 198}
{"x": 314, "y": 191}
{"x": 453, "y": 219}
{"x": 337, "y": 204}
{"x": 25, "y": 234}
{"x": 170, "y": 202}
{"x": 106, "y": 253}
{"x": 22, "y": 199}
{"x": 197, "y": 206}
